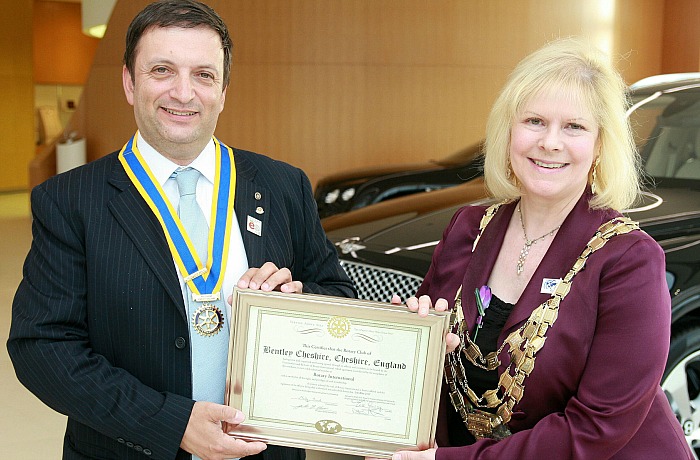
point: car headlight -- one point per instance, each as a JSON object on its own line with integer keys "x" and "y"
{"x": 348, "y": 194}
{"x": 331, "y": 196}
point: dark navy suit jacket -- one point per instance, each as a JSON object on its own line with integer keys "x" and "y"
{"x": 594, "y": 392}
{"x": 99, "y": 330}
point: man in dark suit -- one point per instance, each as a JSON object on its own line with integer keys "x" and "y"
{"x": 107, "y": 319}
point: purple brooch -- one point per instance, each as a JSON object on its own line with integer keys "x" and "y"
{"x": 483, "y": 299}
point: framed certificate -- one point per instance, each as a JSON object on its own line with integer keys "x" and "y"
{"x": 334, "y": 374}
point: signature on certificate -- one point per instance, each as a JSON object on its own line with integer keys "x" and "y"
{"x": 371, "y": 409}
{"x": 316, "y": 404}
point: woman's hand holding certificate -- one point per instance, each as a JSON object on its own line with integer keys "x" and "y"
{"x": 422, "y": 306}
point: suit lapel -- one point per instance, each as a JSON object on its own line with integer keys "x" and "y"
{"x": 141, "y": 225}
{"x": 252, "y": 206}
{"x": 484, "y": 258}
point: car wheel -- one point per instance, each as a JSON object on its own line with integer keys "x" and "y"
{"x": 681, "y": 383}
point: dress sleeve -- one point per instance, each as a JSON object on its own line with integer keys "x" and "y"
{"x": 437, "y": 257}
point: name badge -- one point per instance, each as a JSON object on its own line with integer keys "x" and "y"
{"x": 254, "y": 225}
{"x": 549, "y": 285}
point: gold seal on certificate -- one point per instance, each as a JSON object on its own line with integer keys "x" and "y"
{"x": 334, "y": 374}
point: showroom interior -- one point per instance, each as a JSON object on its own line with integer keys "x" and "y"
{"x": 325, "y": 85}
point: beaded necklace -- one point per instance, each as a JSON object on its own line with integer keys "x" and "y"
{"x": 528, "y": 242}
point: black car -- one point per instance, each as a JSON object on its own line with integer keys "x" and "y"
{"x": 357, "y": 188}
{"x": 389, "y": 252}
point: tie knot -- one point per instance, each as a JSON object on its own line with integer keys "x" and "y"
{"x": 187, "y": 181}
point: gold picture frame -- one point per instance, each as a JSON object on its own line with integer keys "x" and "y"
{"x": 334, "y": 374}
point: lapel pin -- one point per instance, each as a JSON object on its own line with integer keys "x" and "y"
{"x": 254, "y": 226}
{"x": 549, "y": 285}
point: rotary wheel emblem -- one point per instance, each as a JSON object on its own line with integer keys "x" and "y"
{"x": 338, "y": 327}
{"x": 208, "y": 320}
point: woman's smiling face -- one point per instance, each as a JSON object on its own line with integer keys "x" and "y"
{"x": 553, "y": 143}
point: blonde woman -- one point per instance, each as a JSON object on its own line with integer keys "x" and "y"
{"x": 561, "y": 304}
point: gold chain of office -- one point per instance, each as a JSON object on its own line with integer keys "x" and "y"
{"x": 523, "y": 344}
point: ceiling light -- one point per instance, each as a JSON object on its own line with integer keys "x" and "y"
{"x": 96, "y": 15}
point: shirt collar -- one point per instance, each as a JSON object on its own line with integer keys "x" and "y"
{"x": 162, "y": 168}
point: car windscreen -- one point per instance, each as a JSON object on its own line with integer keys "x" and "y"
{"x": 667, "y": 132}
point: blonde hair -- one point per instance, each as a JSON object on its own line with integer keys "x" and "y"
{"x": 588, "y": 76}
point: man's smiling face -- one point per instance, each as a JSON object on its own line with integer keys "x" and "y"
{"x": 177, "y": 89}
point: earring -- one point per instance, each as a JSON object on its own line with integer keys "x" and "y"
{"x": 509, "y": 169}
{"x": 594, "y": 176}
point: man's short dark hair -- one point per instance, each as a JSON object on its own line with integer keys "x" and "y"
{"x": 176, "y": 13}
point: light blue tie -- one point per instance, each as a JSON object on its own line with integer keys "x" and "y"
{"x": 209, "y": 353}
